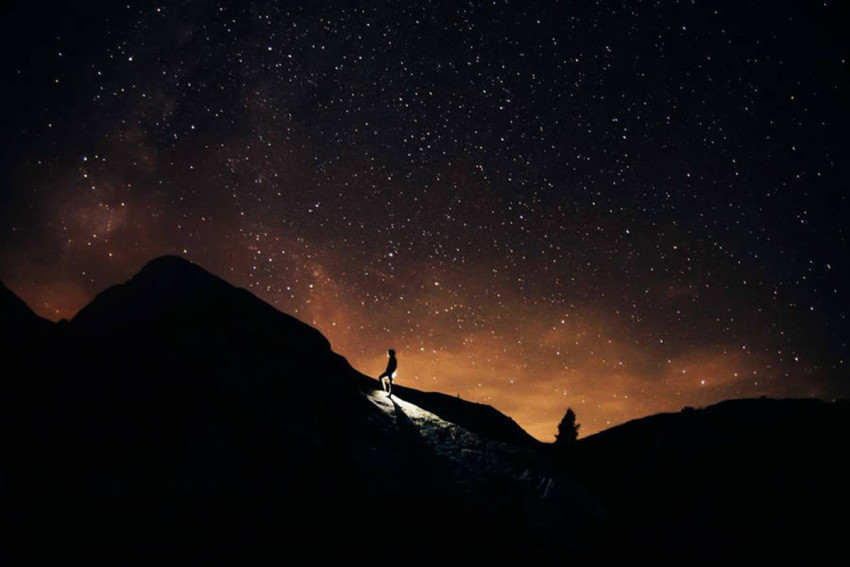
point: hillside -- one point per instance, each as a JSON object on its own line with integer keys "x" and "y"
{"x": 753, "y": 474}
{"x": 179, "y": 402}
{"x": 177, "y": 411}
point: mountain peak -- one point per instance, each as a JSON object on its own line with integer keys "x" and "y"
{"x": 164, "y": 284}
{"x": 170, "y": 297}
{"x": 172, "y": 270}
{"x": 169, "y": 263}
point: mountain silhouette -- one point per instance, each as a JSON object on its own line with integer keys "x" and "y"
{"x": 176, "y": 411}
{"x": 15, "y": 311}
{"x": 735, "y": 476}
{"x": 174, "y": 301}
{"x": 19, "y": 325}
{"x": 179, "y": 402}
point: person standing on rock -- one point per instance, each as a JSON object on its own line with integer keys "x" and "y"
{"x": 389, "y": 373}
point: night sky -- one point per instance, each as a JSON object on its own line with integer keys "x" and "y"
{"x": 622, "y": 207}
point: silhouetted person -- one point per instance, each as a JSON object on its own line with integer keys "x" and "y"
{"x": 389, "y": 373}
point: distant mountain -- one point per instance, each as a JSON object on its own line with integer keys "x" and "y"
{"x": 176, "y": 411}
{"x": 753, "y": 474}
{"x": 28, "y": 351}
{"x": 18, "y": 320}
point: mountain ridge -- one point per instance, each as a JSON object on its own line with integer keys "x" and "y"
{"x": 17, "y": 314}
{"x": 174, "y": 284}
{"x": 170, "y": 288}
{"x": 180, "y": 402}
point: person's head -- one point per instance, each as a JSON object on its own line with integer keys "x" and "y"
{"x": 391, "y": 352}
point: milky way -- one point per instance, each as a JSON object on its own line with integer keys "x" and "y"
{"x": 624, "y": 208}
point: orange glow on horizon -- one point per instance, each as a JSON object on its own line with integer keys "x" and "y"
{"x": 500, "y": 349}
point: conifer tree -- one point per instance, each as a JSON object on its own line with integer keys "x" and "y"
{"x": 567, "y": 429}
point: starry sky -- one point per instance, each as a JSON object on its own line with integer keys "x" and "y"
{"x": 620, "y": 207}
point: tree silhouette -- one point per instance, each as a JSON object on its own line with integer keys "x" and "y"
{"x": 567, "y": 430}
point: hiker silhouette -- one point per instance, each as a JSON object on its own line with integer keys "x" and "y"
{"x": 389, "y": 373}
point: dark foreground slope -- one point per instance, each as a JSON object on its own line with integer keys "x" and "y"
{"x": 480, "y": 418}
